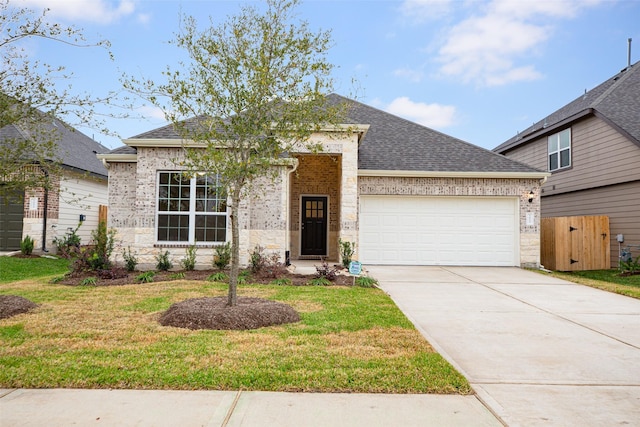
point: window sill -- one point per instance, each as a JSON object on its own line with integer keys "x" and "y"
{"x": 566, "y": 168}
{"x": 187, "y": 245}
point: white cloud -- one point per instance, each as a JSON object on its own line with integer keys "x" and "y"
{"x": 424, "y": 10}
{"x": 430, "y": 115}
{"x": 151, "y": 112}
{"x": 489, "y": 47}
{"x": 144, "y": 18}
{"x": 414, "y": 76}
{"x": 98, "y": 11}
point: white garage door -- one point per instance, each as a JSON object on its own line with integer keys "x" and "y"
{"x": 439, "y": 230}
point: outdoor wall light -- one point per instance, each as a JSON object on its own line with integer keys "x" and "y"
{"x": 531, "y": 196}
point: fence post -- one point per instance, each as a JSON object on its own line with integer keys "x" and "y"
{"x": 102, "y": 213}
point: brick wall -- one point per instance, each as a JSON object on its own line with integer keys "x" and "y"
{"x": 317, "y": 175}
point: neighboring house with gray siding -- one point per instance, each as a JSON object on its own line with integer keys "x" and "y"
{"x": 48, "y": 214}
{"x": 591, "y": 146}
{"x": 403, "y": 193}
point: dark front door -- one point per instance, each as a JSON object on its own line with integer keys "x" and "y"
{"x": 314, "y": 225}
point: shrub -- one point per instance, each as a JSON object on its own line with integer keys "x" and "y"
{"x": 257, "y": 259}
{"x": 68, "y": 246}
{"x": 274, "y": 268}
{"x": 146, "y": 277}
{"x": 89, "y": 281}
{"x": 26, "y": 245}
{"x": 347, "y": 249}
{"x": 630, "y": 266}
{"x": 217, "y": 277}
{"x": 163, "y": 262}
{"x": 178, "y": 275}
{"x": 189, "y": 261}
{"x": 281, "y": 282}
{"x": 130, "y": 259}
{"x": 103, "y": 241}
{"x": 222, "y": 256}
{"x": 325, "y": 270}
{"x": 112, "y": 273}
{"x": 243, "y": 277}
{"x": 366, "y": 282}
{"x": 319, "y": 281}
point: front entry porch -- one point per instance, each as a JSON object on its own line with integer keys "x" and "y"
{"x": 315, "y": 207}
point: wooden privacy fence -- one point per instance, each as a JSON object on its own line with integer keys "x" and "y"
{"x": 102, "y": 213}
{"x": 575, "y": 243}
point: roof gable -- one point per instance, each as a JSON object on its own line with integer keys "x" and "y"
{"x": 617, "y": 100}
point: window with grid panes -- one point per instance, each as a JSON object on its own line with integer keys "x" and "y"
{"x": 190, "y": 209}
{"x": 559, "y": 150}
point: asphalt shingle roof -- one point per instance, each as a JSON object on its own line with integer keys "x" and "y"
{"x": 616, "y": 100}
{"x": 75, "y": 149}
{"x": 393, "y": 143}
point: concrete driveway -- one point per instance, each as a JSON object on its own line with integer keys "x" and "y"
{"x": 537, "y": 350}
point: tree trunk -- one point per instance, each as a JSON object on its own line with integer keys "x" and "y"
{"x": 232, "y": 298}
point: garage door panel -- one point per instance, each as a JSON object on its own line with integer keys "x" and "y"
{"x": 438, "y": 230}
{"x": 11, "y": 221}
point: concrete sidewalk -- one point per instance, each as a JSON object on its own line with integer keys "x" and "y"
{"x": 123, "y": 408}
{"x": 537, "y": 350}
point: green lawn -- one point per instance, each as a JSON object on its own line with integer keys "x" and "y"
{"x": 349, "y": 340}
{"x": 608, "y": 280}
{"x": 13, "y": 269}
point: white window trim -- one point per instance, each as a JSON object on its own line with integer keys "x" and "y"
{"x": 192, "y": 213}
{"x": 560, "y": 150}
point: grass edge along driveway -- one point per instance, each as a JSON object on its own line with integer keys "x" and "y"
{"x": 349, "y": 340}
{"x": 606, "y": 280}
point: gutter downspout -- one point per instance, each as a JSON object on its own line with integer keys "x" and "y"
{"x": 287, "y": 234}
{"x": 44, "y": 214}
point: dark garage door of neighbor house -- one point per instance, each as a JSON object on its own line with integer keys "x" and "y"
{"x": 11, "y": 214}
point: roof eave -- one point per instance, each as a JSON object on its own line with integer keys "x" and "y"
{"x": 547, "y": 130}
{"x": 161, "y": 142}
{"x": 180, "y": 142}
{"x": 453, "y": 174}
{"x": 117, "y": 158}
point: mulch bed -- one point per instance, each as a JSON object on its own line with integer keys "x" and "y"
{"x": 213, "y": 313}
{"x": 12, "y": 305}
{"x": 119, "y": 277}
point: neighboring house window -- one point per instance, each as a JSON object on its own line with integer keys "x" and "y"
{"x": 560, "y": 150}
{"x": 191, "y": 209}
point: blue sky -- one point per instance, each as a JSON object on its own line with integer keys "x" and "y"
{"x": 477, "y": 70}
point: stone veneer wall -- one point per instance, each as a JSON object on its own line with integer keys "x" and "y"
{"x": 264, "y": 218}
{"x": 132, "y": 211}
{"x": 489, "y": 187}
